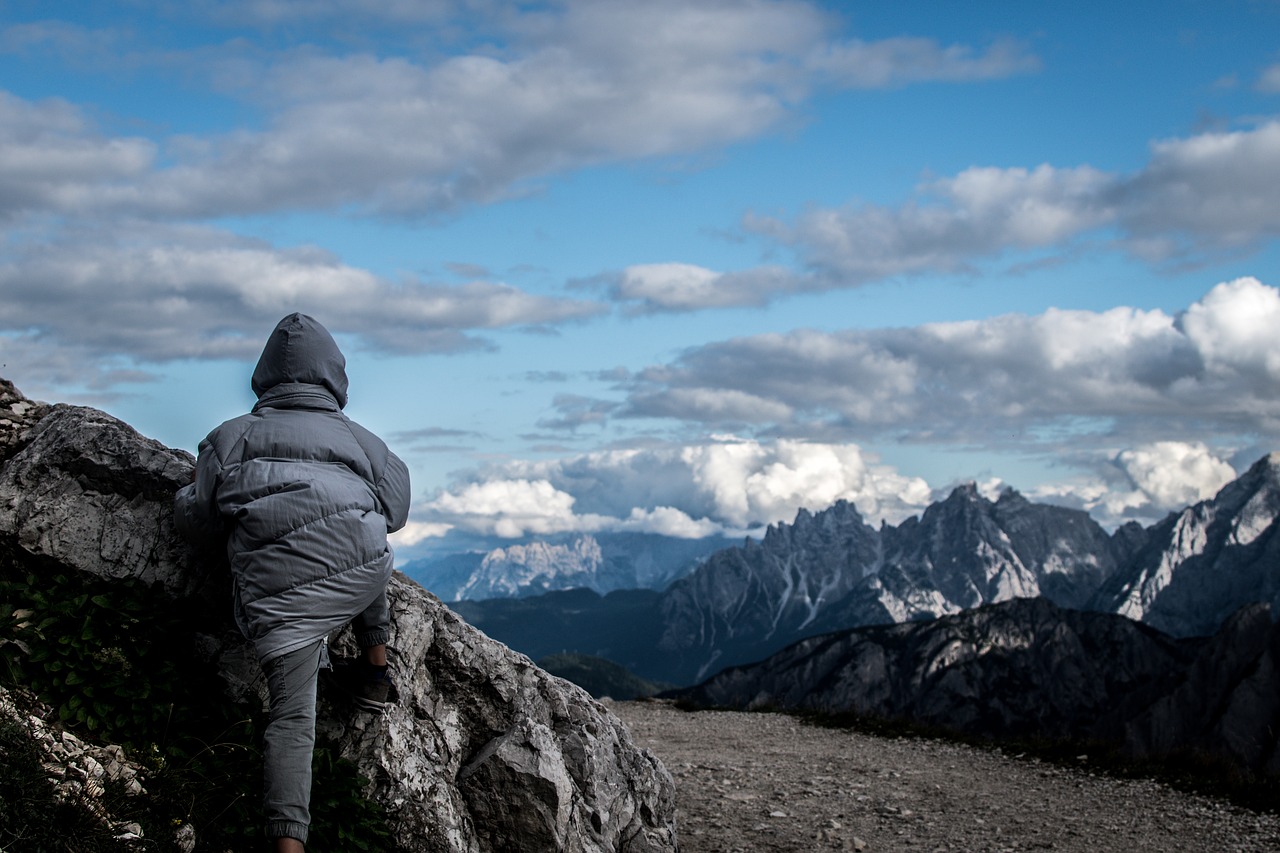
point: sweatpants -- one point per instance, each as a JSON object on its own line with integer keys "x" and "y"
{"x": 290, "y": 737}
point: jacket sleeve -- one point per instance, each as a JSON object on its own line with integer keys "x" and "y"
{"x": 195, "y": 508}
{"x": 393, "y": 491}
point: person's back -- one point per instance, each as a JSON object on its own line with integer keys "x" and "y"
{"x": 304, "y": 498}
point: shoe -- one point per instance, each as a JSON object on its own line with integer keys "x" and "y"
{"x": 368, "y": 689}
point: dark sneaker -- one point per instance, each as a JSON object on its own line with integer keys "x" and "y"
{"x": 368, "y": 689}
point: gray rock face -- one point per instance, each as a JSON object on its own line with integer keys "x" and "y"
{"x": 1199, "y": 566}
{"x": 483, "y": 752}
{"x": 1022, "y": 667}
{"x": 831, "y": 571}
{"x": 1228, "y": 701}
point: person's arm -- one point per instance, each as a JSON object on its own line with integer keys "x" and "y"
{"x": 393, "y": 492}
{"x": 195, "y": 508}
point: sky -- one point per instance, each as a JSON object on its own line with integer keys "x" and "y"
{"x": 675, "y": 267}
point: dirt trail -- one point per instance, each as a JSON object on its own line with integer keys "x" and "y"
{"x": 766, "y": 782}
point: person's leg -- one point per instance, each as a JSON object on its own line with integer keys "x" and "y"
{"x": 288, "y": 744}
{"x": 373, "y": 629}
{"x": 369, "y": 681}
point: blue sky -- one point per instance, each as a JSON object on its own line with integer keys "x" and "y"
{"x": 672, "y": 266}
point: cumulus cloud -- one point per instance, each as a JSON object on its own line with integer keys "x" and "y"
{"x": 1214, "y": 364}
{"x": 726, "y": 486}
{"x": 1143, "y": 483}
{"x": 1173, "y": 474}
{"x": 155, "y": 294}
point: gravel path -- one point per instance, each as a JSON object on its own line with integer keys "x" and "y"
{"x": 766, "y": 782}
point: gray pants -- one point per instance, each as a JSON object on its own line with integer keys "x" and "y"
{"x": 290, "y": 737}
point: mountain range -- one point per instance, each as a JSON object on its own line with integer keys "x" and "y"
{"x": 601, "y": 562}
{"x": 831, "y": 571}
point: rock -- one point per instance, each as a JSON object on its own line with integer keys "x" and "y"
{"x": 483, "y": 752}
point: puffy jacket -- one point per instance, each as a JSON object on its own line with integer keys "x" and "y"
{"x": 303, "y": 496}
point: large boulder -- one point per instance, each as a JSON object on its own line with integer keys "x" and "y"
{"x": 483, "y": 751}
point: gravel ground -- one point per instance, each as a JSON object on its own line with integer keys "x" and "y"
{"x": 766, "y": 782}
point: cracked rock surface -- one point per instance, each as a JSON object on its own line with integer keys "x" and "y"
{"x": 483, "y": 752}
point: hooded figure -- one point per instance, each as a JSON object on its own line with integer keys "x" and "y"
{"x": 304, "y": 498}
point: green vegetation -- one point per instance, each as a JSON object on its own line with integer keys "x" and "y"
{"x": 601, "y": 677}
{"x": 117, "y": 662}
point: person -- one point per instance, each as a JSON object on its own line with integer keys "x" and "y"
{"x": 304, "y": 498}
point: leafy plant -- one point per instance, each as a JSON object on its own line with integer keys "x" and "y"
{"x": 117, "y": 661}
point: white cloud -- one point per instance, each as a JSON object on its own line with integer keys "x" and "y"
{"x": 51, "y": 158}
{"x": 725, "y": 486}
{"x": 1207, "y": 193}
{"x": 1200, "y": 196}
{"x": 508, "y": 508}
{"x": 1174, "y": 474}
{"x": 674, "y": 287}
{"x": 424, "y": 130}
{"x": 982, "y": 381}
{"x": 157, "y": 294}
{"x": 1143, "y": 483}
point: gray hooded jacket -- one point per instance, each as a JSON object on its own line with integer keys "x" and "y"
{"x": 303, "y": 495}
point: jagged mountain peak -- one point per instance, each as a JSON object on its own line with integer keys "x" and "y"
{"x": 1200, "y": 564}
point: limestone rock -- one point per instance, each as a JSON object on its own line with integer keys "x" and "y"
{"x": 483, "y": 752}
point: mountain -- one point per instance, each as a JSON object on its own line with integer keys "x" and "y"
{"x": 826, "y": 571}
{"x": 602, "y": 562}
{"x": 1026, "y": 667}
{"x": 832, "y": 570}
{"x": 121, "y": 633}
{"x": 1197, "y": 567}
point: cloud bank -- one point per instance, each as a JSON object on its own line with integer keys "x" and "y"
{"x": 727, "y": 486}
{"x": 1214, "y": 365}
{"x": 1196, "y": 198}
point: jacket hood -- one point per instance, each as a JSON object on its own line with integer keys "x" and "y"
{"x": 301, "y": 350}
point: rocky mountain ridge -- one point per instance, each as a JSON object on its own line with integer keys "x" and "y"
{"x": 601, "y": 562}
{"x": 831, "y": 571}
{"x": 1026, "y": 668}
{"x": 483, "y": 752}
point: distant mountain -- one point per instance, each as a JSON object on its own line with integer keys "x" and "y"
{"x": 604, "y": 562}
{"x": 1198, "y": 566}
{"x": 831, "y": 571}
{"x": 1029, "y": 668}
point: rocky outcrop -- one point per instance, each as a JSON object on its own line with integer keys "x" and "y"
{"x": 1029, "y": 668}
{"x": 483, "y": 752}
